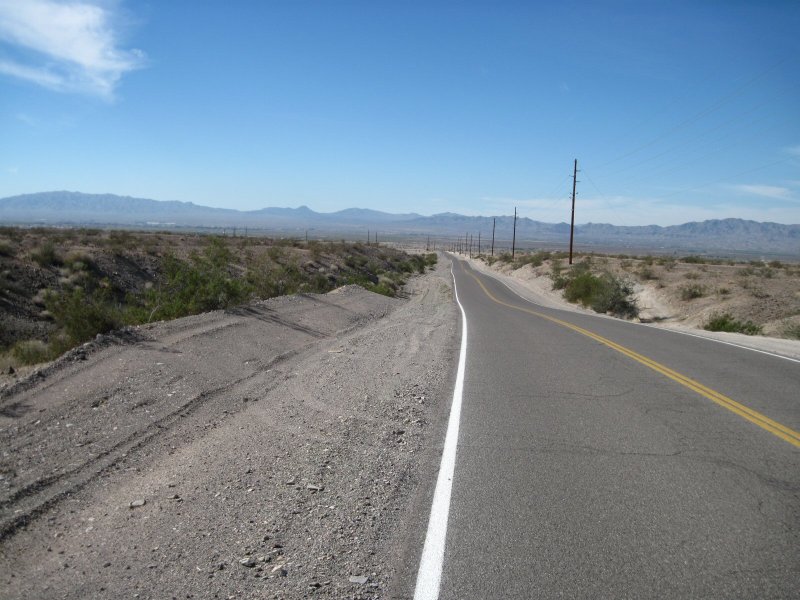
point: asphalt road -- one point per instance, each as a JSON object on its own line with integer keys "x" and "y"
{"x": 589, "y": 470}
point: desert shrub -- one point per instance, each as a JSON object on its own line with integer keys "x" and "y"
{"x": 666, "y": 262}
{"x": 78, "y": 261}
{"x": 603, "y": 294}
{"x": 746, "y": 271}
{"x": 202, "y": 283}
{"x": 505, "y": 257}
{"x": 723, "y": 291}
{"x": 31, "y": 352}
{"x": 82, "y": 314}
{"x": 726, "y": 322}
{"x": 646, "y": 273}
{"x": 694, "y": 260}
{"x": 46, "y": 255}
{"x": 792, "y": 331}
{"x": 535, "y": 259}
{"x": 690, "y": 292}
{"x": 6, "y": 249}
{"x": 691, "y": 275}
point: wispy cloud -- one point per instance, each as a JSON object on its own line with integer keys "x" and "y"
{"x": 766, "y": 191}
{"x": 794, "y": 150}
{"x": 64, "y": 46}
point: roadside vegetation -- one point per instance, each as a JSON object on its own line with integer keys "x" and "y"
{"x": 60, "y": 288}
{"x": 603, "y": 292}
{"x": 725, "y": 322}
{"x": 756, "y": 297}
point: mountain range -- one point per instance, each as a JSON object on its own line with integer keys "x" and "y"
{"x": 721, "y": 236}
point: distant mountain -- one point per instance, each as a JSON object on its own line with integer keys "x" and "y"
{"x": 723, "y": 236}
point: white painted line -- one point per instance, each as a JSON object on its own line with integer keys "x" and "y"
{"x": 712, "y": 339}
{"x": 429, "y": 576}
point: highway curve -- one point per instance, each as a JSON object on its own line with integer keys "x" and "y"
{"x": 598, "y": 458}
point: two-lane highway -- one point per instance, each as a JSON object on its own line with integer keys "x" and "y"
{"x": 600, "y": 459}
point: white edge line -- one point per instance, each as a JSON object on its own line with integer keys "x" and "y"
{"x": 651, "y": 325}
{"x": 429, "y": 576}
{"x": 711, "y": 339}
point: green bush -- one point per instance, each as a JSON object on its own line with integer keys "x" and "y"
{"x": 690, "y": 292}
{"x": 726, "y": 322}
{"x": 6, "y": 249}
{"x": 646, "y": 273}
{"x": 535, "y": 259}
{"x": 83, "y": 314}
{"x": 603, "y": 294}
{"x": 31, "y": 352}
{"x": 201, "y": 284}
{"x": 792, "y": 331}
{"x": 694, "y": 260}
{"x": 46, "y": 255}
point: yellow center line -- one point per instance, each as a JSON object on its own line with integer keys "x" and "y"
{"x": 775, "y": 428}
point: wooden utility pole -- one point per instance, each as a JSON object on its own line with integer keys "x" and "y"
{"x": 494, "y": 222}
{"x": 514, "y": 235}
{"x": 572, "y": 221}
{"x": 368, "y": 240}
{"x": 479, "y": 243}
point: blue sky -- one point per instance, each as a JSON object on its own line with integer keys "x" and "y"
{"x": 676, "y": 111}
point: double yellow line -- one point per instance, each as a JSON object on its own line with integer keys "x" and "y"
{"x": 775, "y": 428}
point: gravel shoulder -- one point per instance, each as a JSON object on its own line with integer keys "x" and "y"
{"x": 283, "y": 449}
{"x": 530, "y": 284}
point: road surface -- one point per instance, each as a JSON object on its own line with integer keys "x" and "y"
{"x": 596, "y": 458}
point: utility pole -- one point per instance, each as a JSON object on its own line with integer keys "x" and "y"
{"x": 494, "y": 222}
{"x": 428, "y": 244}
{"x": 368, "y": 240}
{"x": 572, "y": 221}
{"x": 514, "y": 235}
{"x": 479, "y": 243}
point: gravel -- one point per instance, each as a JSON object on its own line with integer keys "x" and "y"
{"x": 278, "y": 450}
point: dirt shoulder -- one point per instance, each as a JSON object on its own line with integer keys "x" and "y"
{"x": 276, "y": 450}
{"x": 683, "y": 296}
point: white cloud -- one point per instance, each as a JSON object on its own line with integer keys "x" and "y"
{"x": 64, "y": 46}
{"x": 767, "y": 191}
{"x": 794, "y": 150}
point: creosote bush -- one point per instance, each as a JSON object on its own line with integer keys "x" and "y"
{"x": 690, "y": 292}
{"x": 46, "y": 255}
{"x": 726, "y": 322}
{"x": 603, "y": 293}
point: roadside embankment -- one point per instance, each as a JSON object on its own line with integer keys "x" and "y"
{"x": 273, "y": 450}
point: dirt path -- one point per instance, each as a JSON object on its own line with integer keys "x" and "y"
{"x": 278, "y": 450}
